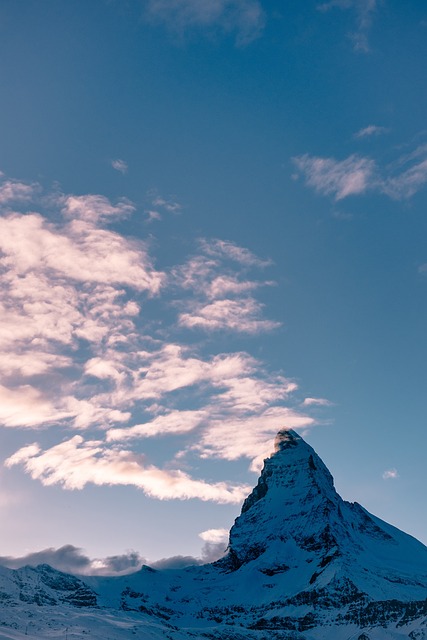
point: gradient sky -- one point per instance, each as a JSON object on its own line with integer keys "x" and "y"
{"x": 213, "y": 225}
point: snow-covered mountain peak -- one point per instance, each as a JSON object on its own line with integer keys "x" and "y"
{"x": 294, "y": 499}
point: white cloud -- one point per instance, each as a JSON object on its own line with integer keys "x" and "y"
{"x": 241, "y": 315}
{"x": 75, "y": 463}
{"x": 357, "y": 175}
{"x": 243, "y": 17}
{"x": 17, "y": 192}
{"x": 370, "y": 130}
{"x": 160, "y": 205}
{"x": 214, "y": 535}
{"x": 119, "y": 165}
{"x": 408, "y": 183}
{"x": 26, "y": 406}
{"x": 339, "y": 178}
{"x": 172, "y": 422}
{"x": 224, "y": 301}
{"x": 171, "y": 206}
{"x": 249, "y": 436}
{"x": 390, "y": 474}
{"x": 225, "y": 249}
{"x": 95, "y": 208}
{"x": 319, "y": 402}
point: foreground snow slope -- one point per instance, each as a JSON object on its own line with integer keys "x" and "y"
{"x": 301, "y": 564}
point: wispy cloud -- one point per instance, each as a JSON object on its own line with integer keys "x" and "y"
{"x": 95, "y": 209}
{"x": 160, "y": 206}
{"x": 370, "y": 130}
{"x": 225, "y": 249}
{"x": 390, "y": 474}
{"x": 75, "y": 463}
{"x": 357, "y": 175}
{"x": 223, "y": 298}
{"x": 245, "y": 18}
{"x": 339, "y": 178}
{"x": 235, "y": 315}
{"x": 13, "y": 191}
{"x": 365, "y": 12}
{"x": 317, "y": 402}
{"x": 249, "y": 435}
{"x": 408, "y": 183}
{"x": 120, "y": 165}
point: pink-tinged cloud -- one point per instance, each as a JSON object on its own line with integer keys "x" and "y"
{"x": 75, "y": 463}
{"x": 408, "y": 183}
{"x": 95, "y": 209}
{"x": 78, "y": 251}
{"x": 225, "y": 249}
{"x": 248, "y": 436}
{"x": 173, "y": 422}
{"x": 370, "y": 130}
{"x": 338, "y": 178}
{"x": 26, "y": 406}
{"x": 242, "y": 315}
{"x": 12, "y": 191}
{"x": 317, "y": 402}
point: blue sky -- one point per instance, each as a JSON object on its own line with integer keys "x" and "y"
{"x": 212, "y": 226}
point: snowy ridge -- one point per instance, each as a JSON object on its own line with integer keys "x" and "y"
{"x": 302, "y": 564}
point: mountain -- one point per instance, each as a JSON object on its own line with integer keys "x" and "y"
{"x": 302, "y": 564}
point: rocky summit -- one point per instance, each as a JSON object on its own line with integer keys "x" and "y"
{"x": 302, "y": 564}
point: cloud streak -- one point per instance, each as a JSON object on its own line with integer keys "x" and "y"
{"x": 75, "y": 463}
{"x": 337, "y": 178}
{"x": 365, "y": 11}
{"x": 244, "y": 18}
{"x": 357, "y": 175}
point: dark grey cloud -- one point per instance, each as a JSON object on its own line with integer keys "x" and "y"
{"x": 70, "y": 559}
{"x": 210, "y": 553}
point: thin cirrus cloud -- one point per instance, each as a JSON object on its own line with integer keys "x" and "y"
{"x": 370, "y": 130}
{"x": 316, "y": 402}
{"x": 78, "y": 358}
{"x": 159, "y": 206}
{"x": 119, "y": 165}
{"x": 338, "y": 178}
{"x": 357, "y": 175}
{"x": 365, "y": 11}
{"x": 245, "y": 18}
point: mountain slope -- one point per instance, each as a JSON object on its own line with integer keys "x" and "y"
{"x": 302, "y": 564}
